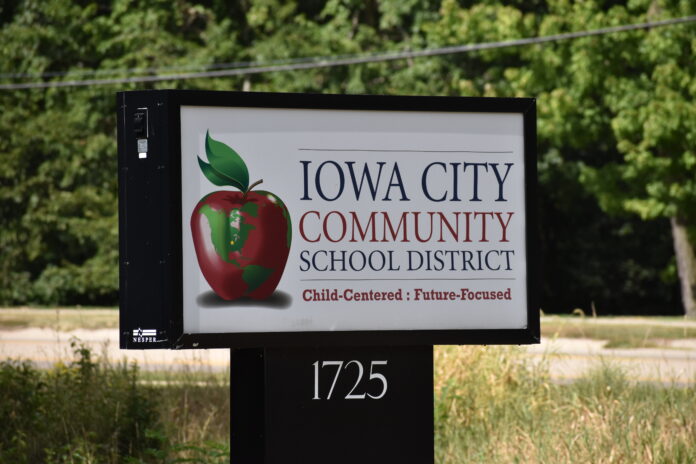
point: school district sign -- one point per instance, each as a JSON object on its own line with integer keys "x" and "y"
{"x": 353, "y": 218}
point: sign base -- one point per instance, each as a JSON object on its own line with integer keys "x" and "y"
{"x": 338, "y": 405}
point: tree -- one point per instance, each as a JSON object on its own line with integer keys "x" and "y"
{"x": 655, "y": 125}
{"x": 648, "y": 93}
{"x": 58, "y": 182}
{"x": 624, "y": 104}
{"x": 58, "y": 224}
{"x": 592, "y": 257}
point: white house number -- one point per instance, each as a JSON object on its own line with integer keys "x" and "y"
{"x": 354, "y": 367}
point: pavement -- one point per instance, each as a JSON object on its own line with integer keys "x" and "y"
{"x": 566, "y": 358}
{"x": 569, "y": 359}
{"x": 46, "y": 347}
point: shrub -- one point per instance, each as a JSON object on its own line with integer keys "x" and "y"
{"x": 83, "y": 411}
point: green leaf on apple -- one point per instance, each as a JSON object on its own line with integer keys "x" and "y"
{"x": 212, "y": 175}
{"x": 226, "y": 166}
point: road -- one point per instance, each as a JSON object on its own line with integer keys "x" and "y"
{"x": 567, "y": 358}
{"x": 570, "y": 358}
{"x": 47, "y": 346}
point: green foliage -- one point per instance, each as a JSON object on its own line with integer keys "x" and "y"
{"x": 599, "y": 260}
{"x": 616, "y": 120}
{"x": 584, "y": 91}
{"x": 84, "y": 411}
{"x": 92, "y": 411}
{"x": 58, "y": 191}
{"x": 492, "y": 405}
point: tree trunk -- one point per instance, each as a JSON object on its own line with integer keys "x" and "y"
{"x": 686, "y": 266}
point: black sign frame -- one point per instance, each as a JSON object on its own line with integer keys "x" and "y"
{"x": 150, "y": 242}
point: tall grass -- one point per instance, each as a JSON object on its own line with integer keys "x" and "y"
{"x": 493, "y": 407}
{"x": 194, "y": 408}
{"x": 83, "y": 411}
{"x": 92, "y": 411}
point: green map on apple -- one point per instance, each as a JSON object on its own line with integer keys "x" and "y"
{"x": 232, "y": 237}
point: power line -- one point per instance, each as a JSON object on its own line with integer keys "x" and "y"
{"x": 154, "y": 70}
{"x": 325, "y": 62}
{"x": 97, "y": 72}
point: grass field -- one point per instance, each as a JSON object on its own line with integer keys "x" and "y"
{"x": 492, "y": 405}
{"x": 63, "y": 319}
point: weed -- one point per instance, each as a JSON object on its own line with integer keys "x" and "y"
{"x": 83, "y": 411}
{"x": 494, "y": 407}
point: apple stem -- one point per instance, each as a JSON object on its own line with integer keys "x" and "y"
{"x": 252, "y": 186}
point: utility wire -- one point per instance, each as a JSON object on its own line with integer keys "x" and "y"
{"x": 325, "y": 62}
{"x": 202, "y": 67}
{"x": 158, "y": 69}
{"x": 97, "y": 72}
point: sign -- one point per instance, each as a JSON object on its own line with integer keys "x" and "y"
{"x": 254, "y": 219}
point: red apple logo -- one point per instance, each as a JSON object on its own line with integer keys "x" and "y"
{"x": 242, "y": 238}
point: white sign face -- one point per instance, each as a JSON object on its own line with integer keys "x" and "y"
{"x": 392, "y": 220}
